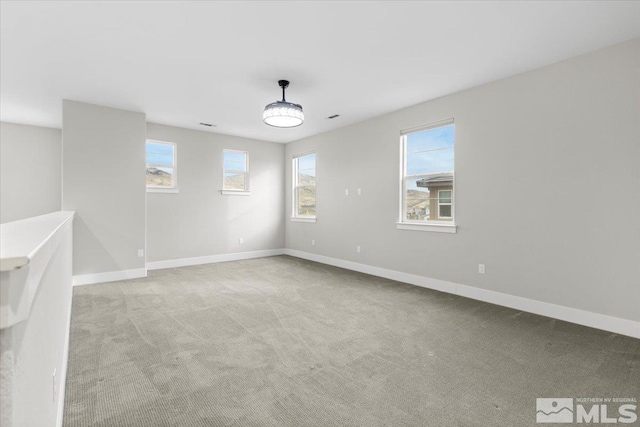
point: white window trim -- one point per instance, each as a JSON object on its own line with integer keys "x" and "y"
{"x": 247, "y": 188}
{"x": 445, "y": 204}
{"x": 304, "y": 219}
{"x": 294, "y": 179}
{"x": 174, "y": 179}
{"x": 434, "y": 226}
{"x": 431, "y": 226}
{"x": 428, "y": 126}
{"x": 236, "y": 192}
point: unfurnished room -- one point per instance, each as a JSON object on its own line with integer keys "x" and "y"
{"x": 319, "y": 213}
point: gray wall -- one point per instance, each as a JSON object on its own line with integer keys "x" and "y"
{"x": 104, "y": 182}
{"x": 30, "y": 168}
{"x": 199, "y": 221}
{"x": 547, "y": 180}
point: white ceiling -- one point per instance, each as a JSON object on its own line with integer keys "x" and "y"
{"x": 184, "y": 63}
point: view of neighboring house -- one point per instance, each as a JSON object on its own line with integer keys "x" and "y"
{"x": 437, "y": 205}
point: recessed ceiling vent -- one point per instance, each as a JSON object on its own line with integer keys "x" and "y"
{"x": 207, "y": 124}
{"x": 334, "y": 116}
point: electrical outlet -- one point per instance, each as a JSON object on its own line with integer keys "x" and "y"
{"x": 346, "y": 191}
{"x": 359, "y": 191}
{"x": 241, "y": 240}
{"x": 481, "y": 268}
{"x": 358, "y": 249}
{"x": 313, "y": 242}
{"x": 140, "y": 253}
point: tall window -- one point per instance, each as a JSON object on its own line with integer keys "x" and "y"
{"x": 162, "y": 165}
{"x": 236, "y": 170}
{"x": 304, "y": 186}
{"x": 427, "y": 174}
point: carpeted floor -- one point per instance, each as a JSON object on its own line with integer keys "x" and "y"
{"x": 285, "y": 342}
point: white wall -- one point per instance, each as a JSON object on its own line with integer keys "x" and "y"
{"x": 547, "y": 181}
{"x": 104, "y": 182}
{"x": 30, "y": 171}
{"x": 32, "y": 349}
{"x": 199, "y": 220}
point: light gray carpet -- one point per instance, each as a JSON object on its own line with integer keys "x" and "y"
{"x": 286, "y": 342}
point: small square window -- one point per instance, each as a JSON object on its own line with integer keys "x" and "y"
{"x": 236, "y": 171}
{"x": 162, "y": 166}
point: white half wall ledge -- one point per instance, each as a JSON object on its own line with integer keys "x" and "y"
{"x": 22, "y": 240}
{"x": 27, "y": 247}
{"x": 210, "y": 259}
{"x": 581, "y": 317}
{"x": 35, "y": 316}
{"x": 109, "y": 276}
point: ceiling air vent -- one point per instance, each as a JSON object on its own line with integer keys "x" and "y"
{"x": 334, "y": 116}
{"x": 207, "y": 124}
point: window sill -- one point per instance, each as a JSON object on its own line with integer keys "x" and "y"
{"x": 434, "y": 227}
{"x": 163, "y": 190}
{"x": 303, "y": 219}
{"x": 235, "y": 192}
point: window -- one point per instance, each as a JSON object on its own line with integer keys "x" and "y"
{"x": 428, "y": 176}
{"x": 162, "y": 166}
{"x": 444, "y": 204}
{"x": 304, "y": 187}
{"x": 235, "y": 172}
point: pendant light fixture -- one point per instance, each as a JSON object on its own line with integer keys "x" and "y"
{"x": 283, "y": 114}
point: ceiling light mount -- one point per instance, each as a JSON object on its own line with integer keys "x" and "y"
{"x": 283, "y": 114}
{"x": 283, "y": 84}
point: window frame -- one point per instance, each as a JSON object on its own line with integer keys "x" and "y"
{"x": 450, "y": 203}
{"x": 174, "y": 177}
{"x": 448, "y": 226}
{"x": 247, "y": 189}
{"x": 294, "y": 187}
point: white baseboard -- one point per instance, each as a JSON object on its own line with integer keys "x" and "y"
{"x": 184, "y": 262}
{"x": 109, "y": 276}
{"x": 586, "y": 318}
